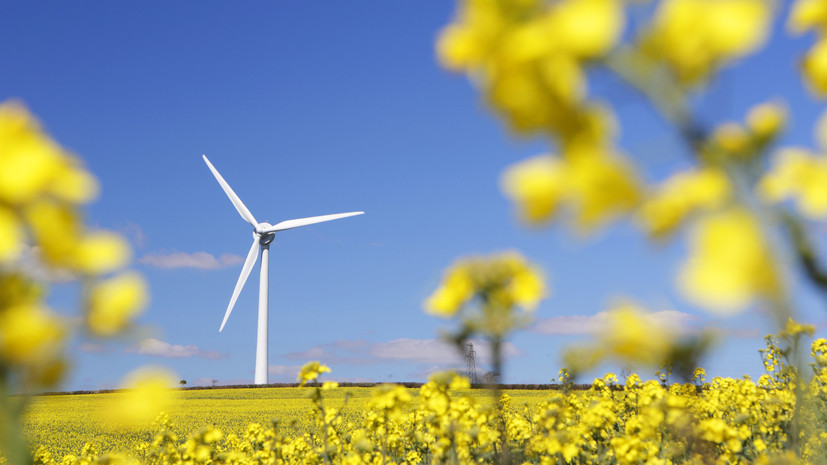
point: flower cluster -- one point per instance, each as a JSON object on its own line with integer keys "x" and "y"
{"x": 42, "y": 188}
{"x": 812, "y": 15}
{"x": 497, "y": 283}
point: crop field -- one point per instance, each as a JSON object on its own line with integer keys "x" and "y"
{"x": 722, "y": 421}
{"x": 64, "y": 423}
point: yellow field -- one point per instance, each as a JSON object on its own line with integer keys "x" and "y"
{"x": 64, "y": 423}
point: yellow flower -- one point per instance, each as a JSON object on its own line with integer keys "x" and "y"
{"x": 814, "y": 67}
{"x": 469, "y": 41}
{"x": 456, "y": 288}
{"x": 311, "y": 371}
{"x": 148, "y": 392}
{"x": 732, "y": 138}
{"x": 390, "y": 399}
{"x": 115, "y": 302}
{"x": 800, "y": 176}
{"x": 794, "y": 329}
{"x": 527, "y": 287}
{"x": 681, "y": 195}
{"x": 602, "y": 185}
{"x": 29, "y": 159}
{"x": 765, "y": 121}
{"x": 11, "y": 235}
{"x": 100, "y": 252}
{"x": 505, "y": 279}
{"x": 808, "y": 14}
{"x": 56, "y": 229}
{"x": 695, "y": 36}
{"x": 29, "y": 334}
{"x": 632, "y": 335}
{"x": 587, "y": 28}
{"x": 536, "y": 186}
{"x": 729, "y": 263}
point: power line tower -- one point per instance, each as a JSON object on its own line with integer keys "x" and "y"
{"x": 471, "y": 363}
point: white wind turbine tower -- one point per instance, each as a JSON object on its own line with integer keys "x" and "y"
{"x": 263, "y": 234}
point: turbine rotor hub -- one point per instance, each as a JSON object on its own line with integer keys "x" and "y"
{"x": 266, "y": 239}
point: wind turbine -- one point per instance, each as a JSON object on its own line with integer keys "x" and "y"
{"x": 263, "y": 234}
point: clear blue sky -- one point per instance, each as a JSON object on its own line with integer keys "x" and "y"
{"x": 310, "y": 108}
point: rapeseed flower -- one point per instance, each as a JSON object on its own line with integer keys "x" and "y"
{"x": 499, "y": 283}
{"x": 536, "y": 186}
{"x": 695, "y": 37}
{"x": 11, "y": 236}
{"x": 729, "y": 263}
{"x": 680, "y": 196}
{"x": 594, "y": 184}
{"x": 114, "y": 303}
{"x": 812, "y": 15}
{"x": 311, "y": 371}
{"x": 147, "y": 393}
{"x": 767, "y": 120}
{"x": 630, "y": 334}
{"x": 801, "y": 176}
{"x": 29, "y": 334}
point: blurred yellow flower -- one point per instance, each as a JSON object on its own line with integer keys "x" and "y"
{"x": 527, "y": 288}
{"x": 732, "y": 138}
{"x": 630, "y": 334}
{"x": 696, "y": 36}
{"x": 814, "y": 67}
{"x": 602, "y": 186}
{"x": 729, "y": 263}
{"x": 147, "y": 393}
{"x": 795, "y": 329}
{"x": 56, "y": 230}
{"x": 799, "y": 175}
{"x": 100, "y": 252}
{"x": 503, "y": 280}
{"x": 456, "y": 288}
{"x": 529, "y": 57}
{"x": 587, "y": 28}
{"x": 808, "y": 14}
{"x": 680, "y": 196}
{"x": 11, "y": 235}
{"x": 311, "y": 371}
{"x": 595, "y": 183}
{"x": 115, "y": 302}
{"x": 537, "y": 186}
{"x": 766, "y": 120}
{"x": 30, "y": 160}
{"x": 29, "y": 334}
{"x": 468, "y": 41}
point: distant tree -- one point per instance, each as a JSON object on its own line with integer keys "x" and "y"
{"x": 214, "y": 381}
{"x": 492, "y": 377}
{"x": 626, "y": 370}
{"x": 182, "y": 382}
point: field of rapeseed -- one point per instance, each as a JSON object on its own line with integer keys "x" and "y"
{"x": 721, "y": 421}
{"x": 751, "y": 211}
{"x": 227, "y": 410}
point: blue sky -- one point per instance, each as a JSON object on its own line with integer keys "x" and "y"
{"x": 310, "y": 108}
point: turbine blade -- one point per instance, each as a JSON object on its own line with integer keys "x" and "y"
{"x": 252, "y": 256}
{"x": 239, "y": 205}
{"x": 290, "y": 224}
